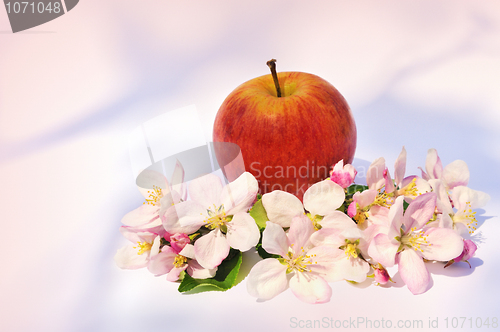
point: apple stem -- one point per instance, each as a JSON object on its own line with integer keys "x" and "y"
{"x": 272, "y": 65}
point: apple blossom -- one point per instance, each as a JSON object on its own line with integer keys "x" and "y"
{"x": 343, "y": 175}
{"x": 453, "y": 175}
{"x": 408, "y": 241}
{"x": 221, "y": 210}
{"x": 137, "y": 255}
{"x": 469, "y": 251}
{"x": 463, "y": 200}
{"x": 172, "y": 260}
{"x": 159, "y": 195}
{"x": 410, "y": 187}
{"x": 309, "y": 266}
{"x": 350, "y": 247}
{"x": 321, "y": 199}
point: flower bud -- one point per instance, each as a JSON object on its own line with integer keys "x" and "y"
{"x": 178, "y": 241}
{"x": 381, "y": 276}
{"x": 343, "y": 175}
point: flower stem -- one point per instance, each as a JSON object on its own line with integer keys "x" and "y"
{"x": 272, "y": 65}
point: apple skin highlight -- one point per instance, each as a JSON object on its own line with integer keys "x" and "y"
{"x": 287, "y": 143}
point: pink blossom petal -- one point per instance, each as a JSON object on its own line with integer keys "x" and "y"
{"x": 339, "y": 166}
{"x": 463, "y": 196}
{"x": 337, "y": 220}
{"x": 242, "y": 232}
{"x": 141, "y": 216}
{"x": 174, "y": 274}
{"x": 420, "y": 211}
{"x": 343, "y": 179}
{"x": 443, "y": 203}
{"x": 412, "y": 269}
{"x": 400, "y": 167}
{"x": 390, "y": 186}
{"x": 188, "y": 251}
{"x": 300, "y": 231}
{"x": 127, "y": 258}
{"x": 197, "y": 271}
{"x": 171, "y": 221}
{"x": 353, "y": 269}
{"x": 396, "y": 218}
{"x": 190, "y": 213}
{"x": 327, "y": 237}
{"x": 433, "y": 165}
{"x": 365, "y": 198}
{"x": 323, "y": 197}
{"x": 137, "y": 235}
{"x": 383, "y": 250}
{"x": 267, "y": 279}
{"x": 310, "y": 288}
{"x": 149, "y": 179}
{"x": 239, "y": 195}
{"x": 323, "y": 261}
{"x": 379, "y": 215}
{"x": 375, "y": 174}
{"x": 163, "y": 262}
{"x": 274, "y": 239}
{"x": 281, "y": 207}
{"x": 456, "y": 174}
{"x": 177, "y": 181}
{"x": 425, "y": 176}
{"x": 352, "y": 209}
{"x": 206, "y": 190}
{"x": 445, "y": 244}
{"x": 211, "y": 249}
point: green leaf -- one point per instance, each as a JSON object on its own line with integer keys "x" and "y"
{"x": 224, "y": 279}
{"x": 353, "y": 188}
{"x": 259, "y": 214}
{"x": 405, "y": 205}
{"x": 264, "y": 254}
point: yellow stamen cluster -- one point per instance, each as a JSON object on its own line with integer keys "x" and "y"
{"x": 361, "y": 214}
{"x": 415, "y": 240}
{"x": 179, "y": 260}
{"x": 154, "y": 196}
{"x": 315, "y": 221}
{"x": 143, "y": 247}
{"x": 382, "y": 199}
{"x": 467, "y": 217}
{"x": 351, "y": 248}
{"x": 409, "y": 190}
{"x": 298, "y": 262}
{"x": 216, "y": 217}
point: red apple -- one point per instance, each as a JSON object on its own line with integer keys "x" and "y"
{"x": 288, "y": 142}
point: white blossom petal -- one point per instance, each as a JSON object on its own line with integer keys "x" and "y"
{"x": 211, "y": 249}
{"x": 412, "y": 269}
{"x": 267, "y": 279}
{"x": 445, "y": 244}
{"x": 281, "y": 207}
{"x": 310, "y": 288}
{"x": 456, "y": 174}
{"x": 239, "y": 195}
{"x": 323, "y": 197}
{"x": 206, "y": 190}
{"x": 242, "y": 232}
{"x": 274, "y": 239}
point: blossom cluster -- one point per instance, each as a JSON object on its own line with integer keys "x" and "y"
{"x": 339, "y": 231}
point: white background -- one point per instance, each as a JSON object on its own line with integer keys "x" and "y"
{"x": 416, "y": 74}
